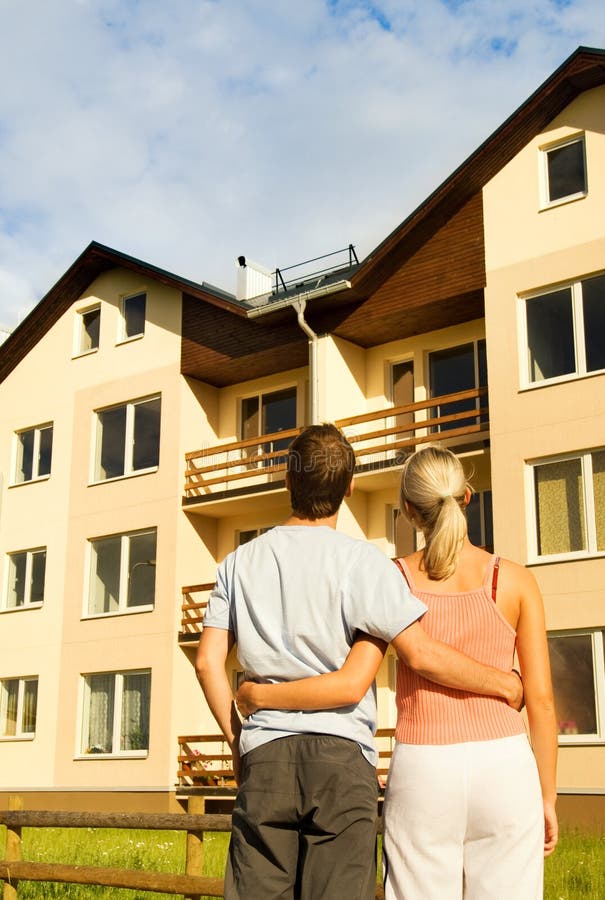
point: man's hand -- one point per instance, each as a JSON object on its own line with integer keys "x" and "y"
{"x": 244, "y": 699}
{"x": 516, "y": 699}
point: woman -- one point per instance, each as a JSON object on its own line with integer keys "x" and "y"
{"x": 469, "y": 811}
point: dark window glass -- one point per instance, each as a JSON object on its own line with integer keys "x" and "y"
{"x": 146, "y": 450}
{"x": 26, "y": 456}
{"x": 113, "y": 441}
{"x": 279, "y": 414}
{"x": 18, "y": 565}
{"x": 451, "y": 371}
{"x": 566, "y": 171}
{"x": 134, "y": 315}
{"x": 141, "y": 569}
{"x": 46, "y": 450}
{"x": 91, "y": 321}
{"x": 550, "y": 335}
{"x": 593, "y": 304}
{"x": 572, "y": 665}
{"x": 37, "y": 578}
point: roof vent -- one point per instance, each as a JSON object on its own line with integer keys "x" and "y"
{"x": 253, "y": 280}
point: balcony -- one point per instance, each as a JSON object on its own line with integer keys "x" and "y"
{"x": 193, "y": 607}
{"x": 255, "y": 467}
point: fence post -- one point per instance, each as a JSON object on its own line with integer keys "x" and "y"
{"x": 13, "y": 847}
{"x": 195, "y": 843}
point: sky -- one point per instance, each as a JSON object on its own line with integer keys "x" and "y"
{"x": 189, "y": 132}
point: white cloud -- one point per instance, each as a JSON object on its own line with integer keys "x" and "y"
{"x": 189, "y": 132}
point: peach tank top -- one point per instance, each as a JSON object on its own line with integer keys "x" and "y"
{"x": 470, "y": 621}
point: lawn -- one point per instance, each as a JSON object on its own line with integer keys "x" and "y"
{"x": 576, "y": 870}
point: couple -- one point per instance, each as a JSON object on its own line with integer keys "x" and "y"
{"x": 467, "y": 811}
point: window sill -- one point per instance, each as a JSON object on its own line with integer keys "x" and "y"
{"x": 82, "y": 353}
{"x": 16, "y": 484}
{"x": 565, "y": 558}
{"x": 26, "y": 606}
{"x": 17, "y": 737}
{"x": 118, "y": 613}
{"x": 562, "y": 201}
{"x": 133, "y": 754}
{"x": 580, "y": 740}
{"x": 128, "y": 340}
{"x": 562, "y": 379}
{"x": 125, "y": 477}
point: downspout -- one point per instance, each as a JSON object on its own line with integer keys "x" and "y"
{"x": 300, "y": 306}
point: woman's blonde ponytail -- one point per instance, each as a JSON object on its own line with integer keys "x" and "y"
{"x": 434, "y": 485}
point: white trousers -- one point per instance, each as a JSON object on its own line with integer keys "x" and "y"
{"x": 464, "y": 820}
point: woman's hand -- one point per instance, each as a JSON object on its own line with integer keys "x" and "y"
{"x": 551, "y": 828}
{"x": 245, "y": 699}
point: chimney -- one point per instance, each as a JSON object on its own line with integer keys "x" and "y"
{"x": 253, "y": 280}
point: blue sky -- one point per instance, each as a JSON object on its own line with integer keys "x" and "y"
{"x": 190, "y": 132}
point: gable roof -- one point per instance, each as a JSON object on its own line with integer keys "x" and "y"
{"x": 345, "y": 313}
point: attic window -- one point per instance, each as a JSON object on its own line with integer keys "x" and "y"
{"x": 133, "y": 316}
{"x": 564, "y": 167}
{"x": 87, "y": 330}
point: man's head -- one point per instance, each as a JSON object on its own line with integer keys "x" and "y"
{"x": 320, "y": 468}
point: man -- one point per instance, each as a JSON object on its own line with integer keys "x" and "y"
{"x": 293, "y": 600}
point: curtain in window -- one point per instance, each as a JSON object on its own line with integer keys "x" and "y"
{"x": 134, "y": 729}
{"x": 30, "y": 706}
{"x": 572, "y": 664}
{"x": 560, "y": 506}
{"x": 10, "y": 700}
{"x": 598, "y": 482}
{"x": 100, "y": 714}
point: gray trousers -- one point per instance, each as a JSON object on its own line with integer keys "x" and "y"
{"x": 304, "y": 822}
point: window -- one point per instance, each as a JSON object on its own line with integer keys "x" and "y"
{"x": 133, "y": 316}
{"x": 566, "y": 331}
{"x": 564, "y": 171}
{"x": 480, "y": 520}
{"x": 457, "y": 369}
{"x": 26, "y": 571}
{"x": 242, "y": 537}
{"x": 87, "y": 330}
{"x": 122, "y": 573}
{"x": 18, "y": 707}
{"x": 569, "y": 496}
{"x": 128, "y": 439}
{"x": 578, "y": 676}
{"x": 267, "y": 414}
{"x": 116, "y": 713}
{"x": 34, "y": 454}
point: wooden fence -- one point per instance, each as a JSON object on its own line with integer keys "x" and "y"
{"x": 192, "y": 884}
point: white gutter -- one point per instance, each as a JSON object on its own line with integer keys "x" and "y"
{"x": 299, "y": 303}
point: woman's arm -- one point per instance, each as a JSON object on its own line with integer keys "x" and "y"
{"x": 532, "y": 649}
{"x": 330, "y": 691}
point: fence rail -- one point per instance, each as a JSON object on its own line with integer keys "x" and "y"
{"x": 193, "y": 606}
{"x": 380, "y": 438}
{"x": 192, "y": 884}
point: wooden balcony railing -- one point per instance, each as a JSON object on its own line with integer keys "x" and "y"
{"x": 211, "y": 765}
{"x": 381, "y": 439}
{"x": 193, "y": 607}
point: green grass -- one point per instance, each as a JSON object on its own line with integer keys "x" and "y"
{"x": 576, "y": 870}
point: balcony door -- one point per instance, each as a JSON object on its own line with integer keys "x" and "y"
{"x": 457, "y": 369}
{"x": 266, "y": 414}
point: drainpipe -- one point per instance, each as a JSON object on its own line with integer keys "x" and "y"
{"x": 300, "y": 306}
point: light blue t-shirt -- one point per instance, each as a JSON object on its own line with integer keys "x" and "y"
{"x": 295, "y": 598}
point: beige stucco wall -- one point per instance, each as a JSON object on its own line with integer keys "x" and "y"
{"x": 529, "y": 248}
{"x": 65, "y": 510}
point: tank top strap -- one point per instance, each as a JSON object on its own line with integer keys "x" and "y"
{"x": 491, "y": 577}
{"x": 405, "y": 571}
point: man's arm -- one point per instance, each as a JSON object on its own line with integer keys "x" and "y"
{"x": 213, "y": 649}
{"x": 442, "y": 664}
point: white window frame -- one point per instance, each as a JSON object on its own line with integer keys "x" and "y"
{"x": 585, "y": 457}
{"x": 123, "y": 609}
{"x": 37, "y": 431}
{"x": 579, "y": 341}
{"x": 27, "y": 602}
{"x": 544, "y": 150}
{"x": 77, "y": 349}
{"x": 20, "y": 735}
{"x": 85, "y": 694}
{"x": 598, "y": 663}
{"x": 97, "y": 441}
{"x": 123, "y": 337}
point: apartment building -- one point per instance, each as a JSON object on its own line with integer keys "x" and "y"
{"x": 144, "y": 417}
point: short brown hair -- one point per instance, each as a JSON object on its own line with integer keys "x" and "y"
{"x": 320, "y": 468}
